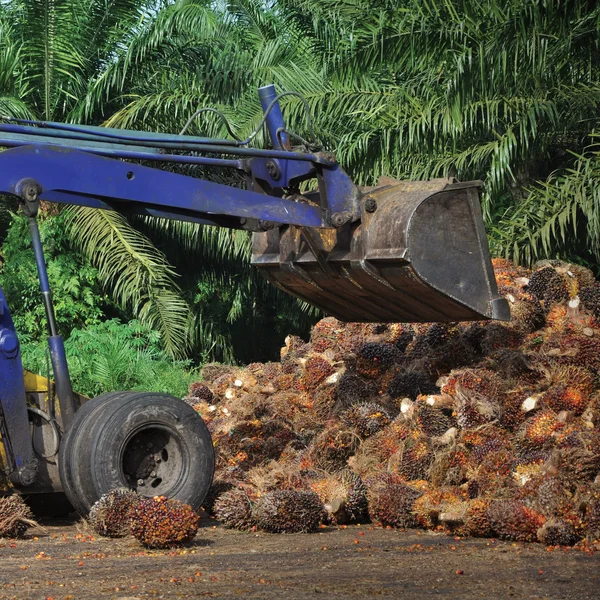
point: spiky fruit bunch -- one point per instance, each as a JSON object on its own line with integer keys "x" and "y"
{"x": 201, "y": 392}
{"x": 234, "y": 508}
{"x": 218, "y": 487}
{"x": 15, "y": 517}
{"x": 357, "y": 504}
{"x": 405, "y": 338}
{"x": 352, "y": 388}
{"x": 432, "y": 503}
{"x": 414, "y": 459}
{"x": 553, "y": 497}
{"x": 548, "y": 286}
{"x": 537, "y": 431}
{"x": 562, "y": 397}
{"x": 474, "y": 410}
{"x": 526, "y": 312}
{"x": 324, "y": 399}
{"x": 476, "y": 382}
{"x": 557, "y": 532}
{"x": 289, "y": 511}
{"x": 477, "y": 522}
{"x": 590, "y": 297}
{"x": 316, "y": 369}
{"x": 410, "y": 384}
{"x": 391, "y": 501}
{"x": 110, "y": 516}
{"x": 160, "y": 522}
{"x": 374, "y": 358}
{"x": 332, "y": 447}
{"x": 366, "y": 418}
{"x": 432, "y": 421}
{"x": 511, "y": 520}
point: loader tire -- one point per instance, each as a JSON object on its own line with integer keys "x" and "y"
{"x": 70, "y": 453}
{"x": 150, "y": 442}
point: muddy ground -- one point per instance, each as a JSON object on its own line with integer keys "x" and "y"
{"x": 66, "y": 562}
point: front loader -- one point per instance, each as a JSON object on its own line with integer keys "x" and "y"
{"x": 401, "y": 251}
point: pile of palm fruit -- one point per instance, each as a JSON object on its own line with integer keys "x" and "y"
{"x": 481, "y": 429}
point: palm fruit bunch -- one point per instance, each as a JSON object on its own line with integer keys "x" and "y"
{"x": 15, "y": 517}
{"x": 289, "y": 511}
{"x": 110, "y": 515}
{"x": 344, "y": 496}
{"x": 485, "y": 428}
{"x": 234, "y": 508}
{"x": 161, "y": 522}
{"x": 391, "y": 501}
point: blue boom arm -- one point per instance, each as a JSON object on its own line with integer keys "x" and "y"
{"x": 86, "y": 166}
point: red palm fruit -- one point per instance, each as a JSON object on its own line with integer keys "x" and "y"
{"x": 391, "y": 501}
{"x": 316, "y": 369}
{"x": 511, "y": 520}
{"x": 477, "y": 522}
{"x": 160, "y": 522}
{"x": 432, "y": 503}
{"x": 537, "y": 431}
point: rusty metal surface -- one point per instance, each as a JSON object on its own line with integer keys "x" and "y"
{"x": 420, "y": 256}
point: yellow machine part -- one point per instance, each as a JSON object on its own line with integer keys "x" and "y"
{"x": 36, "y": 389}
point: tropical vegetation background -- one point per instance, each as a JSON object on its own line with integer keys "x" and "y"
{"x": 506, "y": 91}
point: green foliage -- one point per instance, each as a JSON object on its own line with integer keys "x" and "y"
{"x": 78, "y": 299}
{"x": 559, "y": 217}
{"x": 112, "y": 356}
{"x": 139, "y": 276}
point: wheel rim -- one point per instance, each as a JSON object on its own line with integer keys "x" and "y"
{"x": 153, "y": 461}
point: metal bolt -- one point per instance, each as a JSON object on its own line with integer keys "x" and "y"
{"x": 28, "y": 189}
{"x": 339, "y": 219}
{"x": 265, "y": 225}
{"x": 141, "y": 482}
{"x": 370, "y": 205}
{"x": 273, "y": 170}
{"x": 153, "y": 474}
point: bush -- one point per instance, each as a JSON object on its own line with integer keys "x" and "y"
{"x": 78, "y": 298}
{"x": 112, "y": 356}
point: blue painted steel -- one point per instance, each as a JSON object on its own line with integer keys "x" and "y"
{"x": 75, "y": 177}
{"x": 16, "y": 140}
{"x": 338, "y": 192}
{"x": 103, "y": 133}
{"x": 60, "y": 368}
{"x": 62, "y": 380}
{"x": 11, "y": 139}
{"x": 16, "y": 434}
{"x": 36, "y": 244}
{"x": 275, "y": 122}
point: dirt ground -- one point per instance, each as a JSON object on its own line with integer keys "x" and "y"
{"x": 65, "y": 562}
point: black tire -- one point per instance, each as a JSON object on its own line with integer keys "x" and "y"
{"x": 153, "y": 443}
{"x": 70, "y": 458}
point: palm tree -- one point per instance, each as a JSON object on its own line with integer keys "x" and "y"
{"x": 502, "y": 91}
{"x": 49, "y": 52}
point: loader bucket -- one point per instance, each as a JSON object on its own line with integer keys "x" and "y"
{"x": 421, "y": 255}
